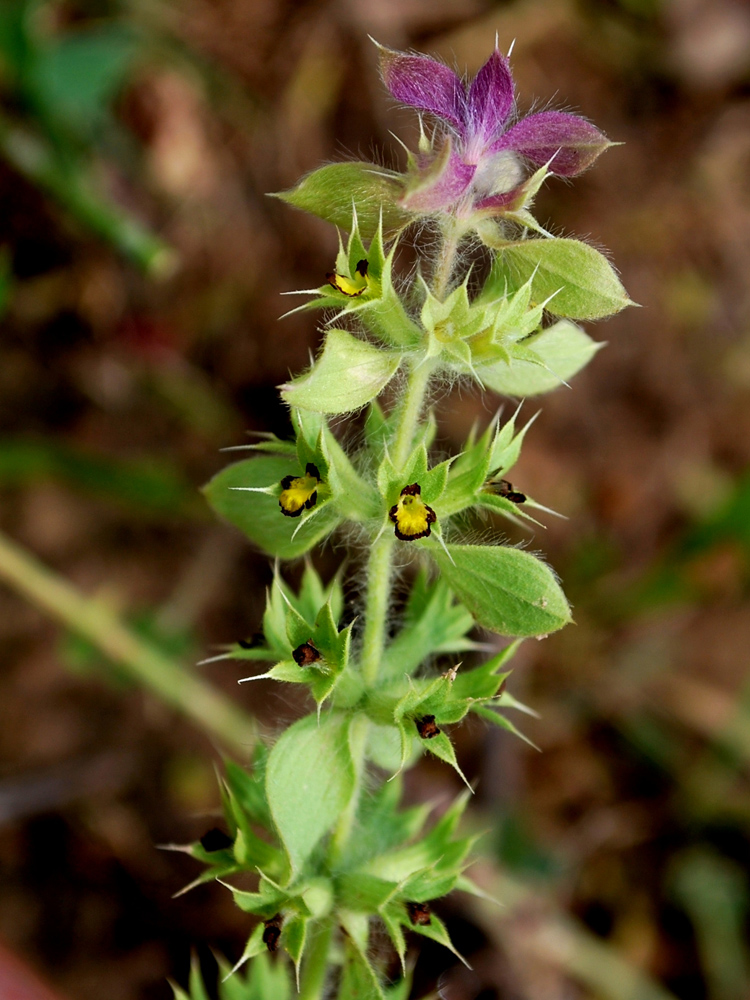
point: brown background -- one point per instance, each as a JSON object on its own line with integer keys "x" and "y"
{"x": 635, "y": 818}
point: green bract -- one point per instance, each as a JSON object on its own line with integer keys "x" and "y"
{"x": 561, "y": 351}
{"x": 330, "y": 192}
{"x": 347, "y": 375}
{"x": 578, "y": 280}
{"x": 309, "y": 780}
{"x": 324, "y": 851}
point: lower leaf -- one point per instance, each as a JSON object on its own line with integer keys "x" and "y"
{"x": 309, "y": 780}
{"x": 508, "y": 591}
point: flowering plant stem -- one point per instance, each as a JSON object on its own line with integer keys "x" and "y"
{"x": 379, "y": 568}
{"x": 317, "y": 964}
{"x": 379, "y": 700}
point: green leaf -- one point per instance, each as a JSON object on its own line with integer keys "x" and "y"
{"x": 294, "y": 936}
{"x": 507, "y": 445}
{"x": 347, "y": 375}
{"x": 331, "y": 191}
{"x": 265, "y": 979}
{"x": 255, "y": 946}
{"x": 381, "y": 825}
{"x": 313, "y": 594}
{"x": 442, "y": 748}
{"x": 197, "y": 989}
{"x": 309, "y": 780}
{"x": 580, "y": 279}
{"x": 564, "y": 349}
{"x": 355, "y": 497}
{"x": 363, "y": 893}
{"x": 390, "y": 916}
{"x": 434, "y": 622}
{"x": 507, "y": 590}
{"x": 248, "y": 788}
{"x": 427, "y": 852}
{"x": 497, "y": 719}
{"x": 384, "y": 748}
{"x": 485, "y": 680}
{"x": 432, "y": 883}
{"x": 258, "y": 515}
{"x": 359, "y": 981}
{"x": 264, "y": 904}
{"x": 437, "y": 931}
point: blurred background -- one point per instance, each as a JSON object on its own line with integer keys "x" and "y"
{"x": 141, "y": 267}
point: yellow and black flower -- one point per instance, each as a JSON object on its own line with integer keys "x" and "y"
{"x": 299, "y": 493}
{"x": 411, "y": 515}
{"x": 354, "y": 286}
{"x": 503, "y": 488}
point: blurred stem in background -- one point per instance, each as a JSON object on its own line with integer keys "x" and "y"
{"x": 95, "y": 621}
{"x": 72, "y": 188}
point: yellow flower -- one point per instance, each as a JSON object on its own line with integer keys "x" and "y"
{"x": 299, "y": 493}
{"x": 353, "y": 287}
{"x": 411, "y": 515}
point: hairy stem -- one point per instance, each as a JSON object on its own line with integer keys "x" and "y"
{"x": 444, "y": 269}
{"x": 410, "y": 412}
{"x": 379, "y": 566}
{"x": 315, "y": 968}
{"x": 376, "y": 606}
{"x": 99, "y": 623}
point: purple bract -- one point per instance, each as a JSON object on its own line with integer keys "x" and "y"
{"x": 483, "y": 167}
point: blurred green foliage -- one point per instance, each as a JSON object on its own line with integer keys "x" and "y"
{"x": 150, "y": 486}
{"x": 57, "y": 95}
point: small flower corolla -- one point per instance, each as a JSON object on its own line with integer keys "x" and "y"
{"x": 411, "y": 515}
{"x": 480, "y": 166}
{"x": 354, "y": 286}
{"x": 299, "y": 493}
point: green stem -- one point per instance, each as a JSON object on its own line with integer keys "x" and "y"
{"x": 379, "y": 565}
{"x": 376, "y": 606}
{"x": 442, "y": 276}
{"x": 410, "y": 412}
{"x": 315, "y": 970}
{"x": 99, "y": 623}
{"x": 379, "y": 573}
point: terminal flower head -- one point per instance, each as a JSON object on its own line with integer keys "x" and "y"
{"x": 481, "y": 162}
